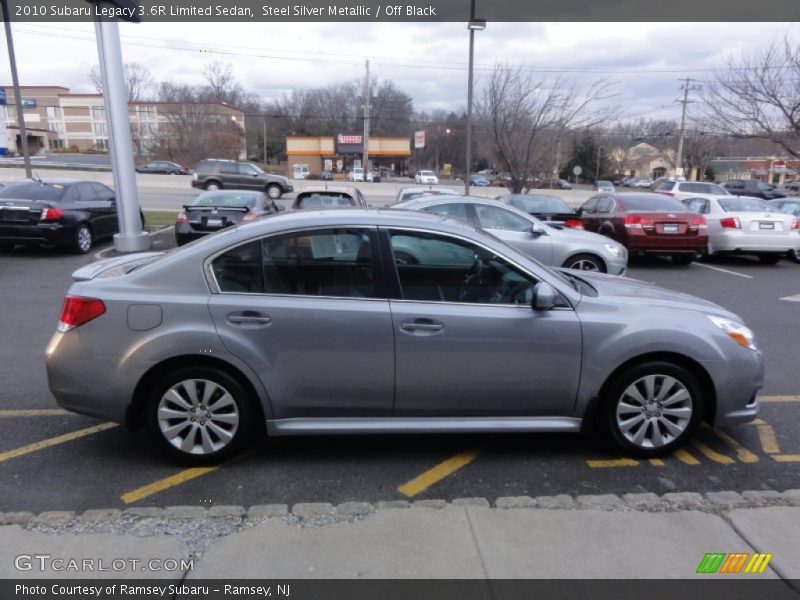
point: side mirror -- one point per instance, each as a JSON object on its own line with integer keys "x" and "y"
{"x": 544, "y": 296}
{"x": 538, "y": 230}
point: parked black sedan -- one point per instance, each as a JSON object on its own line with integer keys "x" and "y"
{"x": 212, "y": 211}
{"x": 56, "y": 212}
{"x": 162, "y": 166}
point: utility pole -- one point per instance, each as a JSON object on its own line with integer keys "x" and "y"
{"x": 597, "y": 170}
{"x": 685, "y": 102}
{"x": 12, "y": 59}
{"x": 266, "y": 158}
{"x": 367, "y": 93}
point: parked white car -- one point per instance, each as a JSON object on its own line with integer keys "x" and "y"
{"x": 409, "y": 193}
{"x": 691, "y": 189}
{"x": 357, "y": 174}
{"x": 426, "y": 178}
{"x": 744, "y": 225}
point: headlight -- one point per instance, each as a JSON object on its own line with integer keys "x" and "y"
{"x": 736, "y": 331}
{"x": 617, "y": 251}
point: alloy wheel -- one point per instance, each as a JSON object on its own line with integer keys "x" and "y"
{"x": 585, "y": 265}
{"x": 84, "y": 239}
{"x": 654, "y": 410}
{"x": 198, "y": 416}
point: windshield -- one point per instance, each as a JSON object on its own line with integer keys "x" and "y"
{"x": 655, "y": 203}
{"x": 226, "y": 199}
{"x": 739, "y": 204}
{"x": 32, "y": 190}
{"x": 426, "y": 173}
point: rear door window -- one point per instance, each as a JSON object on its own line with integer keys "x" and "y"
{"x": 454, "y": 210}
{"x": 494, "y": 217}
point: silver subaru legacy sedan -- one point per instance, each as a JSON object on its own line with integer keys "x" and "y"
{"x": 315, "y": 322}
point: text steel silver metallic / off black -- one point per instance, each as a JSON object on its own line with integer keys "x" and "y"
{"x": 318, "y": 322}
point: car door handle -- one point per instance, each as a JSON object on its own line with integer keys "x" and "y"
{"x": 249, "y": 318}
{"x": 421, "y": 325}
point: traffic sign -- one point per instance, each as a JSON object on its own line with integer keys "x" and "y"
{"x": 577, "y": 170}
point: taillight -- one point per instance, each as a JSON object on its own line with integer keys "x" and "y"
{"x": 730, "y": 223}
{"x": 638, "y": 222}
{"x": 796, "y": 224}
{"x": 698, "y": 223}
{"x": 574, "y": 223}
{"x": 182, "y": 217}
{"x": 51, "y": 214}
{"x": 77, "y": 311}
{"x": 251, "y": 216}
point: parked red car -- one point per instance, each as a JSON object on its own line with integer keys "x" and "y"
{"x": 647, "y": 223}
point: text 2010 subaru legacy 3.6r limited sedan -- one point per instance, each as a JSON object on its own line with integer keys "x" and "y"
{"x": 309, "y": 322}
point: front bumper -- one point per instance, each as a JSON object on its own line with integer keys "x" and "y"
{"x": 737, "y": 380}
{"x": 52, "y": 234}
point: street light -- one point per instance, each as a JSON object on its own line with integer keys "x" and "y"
{"x": 473, "y": 26}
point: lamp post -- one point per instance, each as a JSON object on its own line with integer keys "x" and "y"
{"x": 473, "y": 26}
{"x": 12, "y": 59}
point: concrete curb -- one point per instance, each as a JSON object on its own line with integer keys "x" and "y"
{"x": 318, "y": 513}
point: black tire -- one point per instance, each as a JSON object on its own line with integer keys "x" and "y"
{"x": 614, "y": 393}
{"x": 274, "y": 191}
{"x": 683, "y": 259}
{"x": 242, "y": 433}
{"x": 770, "y": 259}
{"x": 212, "y": 185}
{"x": 794, "y": 255}
{"x": 82, "y": 239}
{"x": 582, "y": 262}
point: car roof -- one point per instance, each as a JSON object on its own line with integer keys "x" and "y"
{"x": 56, "y": 181}
{"x": 331, "y": 189}
{"x": 230, "y": 192}
{"x": 427, "y": 188}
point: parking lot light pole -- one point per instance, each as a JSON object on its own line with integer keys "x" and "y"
{"x": 12, "y": 59}
{"x": 130, "y": 238}
{"x": 473, "y": 26}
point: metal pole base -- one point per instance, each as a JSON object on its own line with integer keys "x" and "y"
{"x": 131, "y": 243}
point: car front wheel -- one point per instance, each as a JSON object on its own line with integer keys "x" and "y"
{"x": 213, "y": 185}
{"x": 274, "y": 191}
{"x": 585, "y": 262}
{"x": 200, "y": 415}
{"x": 652, "y": 409}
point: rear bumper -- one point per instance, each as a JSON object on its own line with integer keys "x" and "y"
{"x": 738, "y": 241}
{"x": 54, "y": 234}
{"x": 664, "y": 244}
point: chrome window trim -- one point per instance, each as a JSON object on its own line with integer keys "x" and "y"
{"x": 213, "y": 284}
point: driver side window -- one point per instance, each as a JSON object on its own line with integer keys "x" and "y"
{"x": 494, "y": 217}
{"x": 437, "y": 268}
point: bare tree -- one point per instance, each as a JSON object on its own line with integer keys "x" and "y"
{"x": 525, "y": 116}
{"x": 194, "y": 131}
{"x": 139, "y": 82}
{"x": 758, "y": 95}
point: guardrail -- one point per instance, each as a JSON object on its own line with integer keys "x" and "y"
{"x": 46, "y": 164}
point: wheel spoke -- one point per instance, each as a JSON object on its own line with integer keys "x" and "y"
{"x": 208, "y": 444}
{"x": 681, "y": 413}
{"x": 626, "y": 426}
{"x": 188, "y": 442}
{"x": 657, "y": 439}
{"x": 649, "y": 387}
{"x": 209, "y": 387}
{"x": 680, "y": 396}
{"x": 223, "y": 434}
{"x": 171, "y": 413}
{"x": 230, "y": 418}
{"x": 672, "y": 427}
{"x": 173, "y": 430}
{"x": 633, "y": 392}
{"x": 191, "y": 390}
{"x": 666, "y": 385}
{"x": 174, "y": 397}
{"x": 639, "y": 436}
{"x": 623, "y": 408}
{"x": 222, "y": 402}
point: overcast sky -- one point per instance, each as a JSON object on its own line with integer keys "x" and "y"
{"x": 427, "y": 60}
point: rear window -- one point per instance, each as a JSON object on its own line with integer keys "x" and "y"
{"x": 233, "y": 200}
{"x": 31, "y": 190}
{"x": 665, "y": 186}
{"x": 652, "y": 203}
{"x": 324, "y": 200}
{"x": 703, "y": 188}
{"x": 540, "y": 204}
{"x": 739, "y": 204}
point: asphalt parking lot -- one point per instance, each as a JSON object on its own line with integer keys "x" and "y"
{"x": 51, "y": 460}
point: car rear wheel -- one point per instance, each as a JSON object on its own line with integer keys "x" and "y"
{"x": 585, "y": 262}
{"x": 213, "y": 185}
{"x": 82, "y": 239}
{"x": 200, "y": 415}
{"x": 652, "y": 409}
{"x": 683, "y": 259}
{"x": 795, "y": 255}
{"x": 274, "y": 191}
{"x": 769, "y": 259}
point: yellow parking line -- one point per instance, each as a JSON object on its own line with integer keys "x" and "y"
{"x": 769, "y": 399}
{"x": 656, "y": 462}
{"x": 685, "y": 457}
{"x": 712, "y": 454}
{"x": 40, "y": 412}
{"x": 786, "y": 457}
{"x": 742, "y": 454}
{"x": 67, "y": 437}
{"x": 767, "y": 437}
{"x": 436, "y": 474}
{"x": 175, "y": 480}
{"x": 615, "y": 462}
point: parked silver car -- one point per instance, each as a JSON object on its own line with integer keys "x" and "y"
{"x": 306, "y": 323}
{"x": 743, "y": 225}
{"x": 551, "y": 244}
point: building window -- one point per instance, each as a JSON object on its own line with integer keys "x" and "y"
{"x": 100, "y": 129}
{"x": 54, "y": 112}
{"x": 99, "y": 113}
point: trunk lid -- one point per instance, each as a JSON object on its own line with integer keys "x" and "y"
{"x": 115, "y": 267}
{"x": 22, "y": 211}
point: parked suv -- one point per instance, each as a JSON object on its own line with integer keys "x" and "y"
{"x": 752, "y": 187}
{"x": 689, "y": 189}
{"x": 217, "y": 174}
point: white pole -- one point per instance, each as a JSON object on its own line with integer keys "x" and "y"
{"x": 130, "y": 238}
